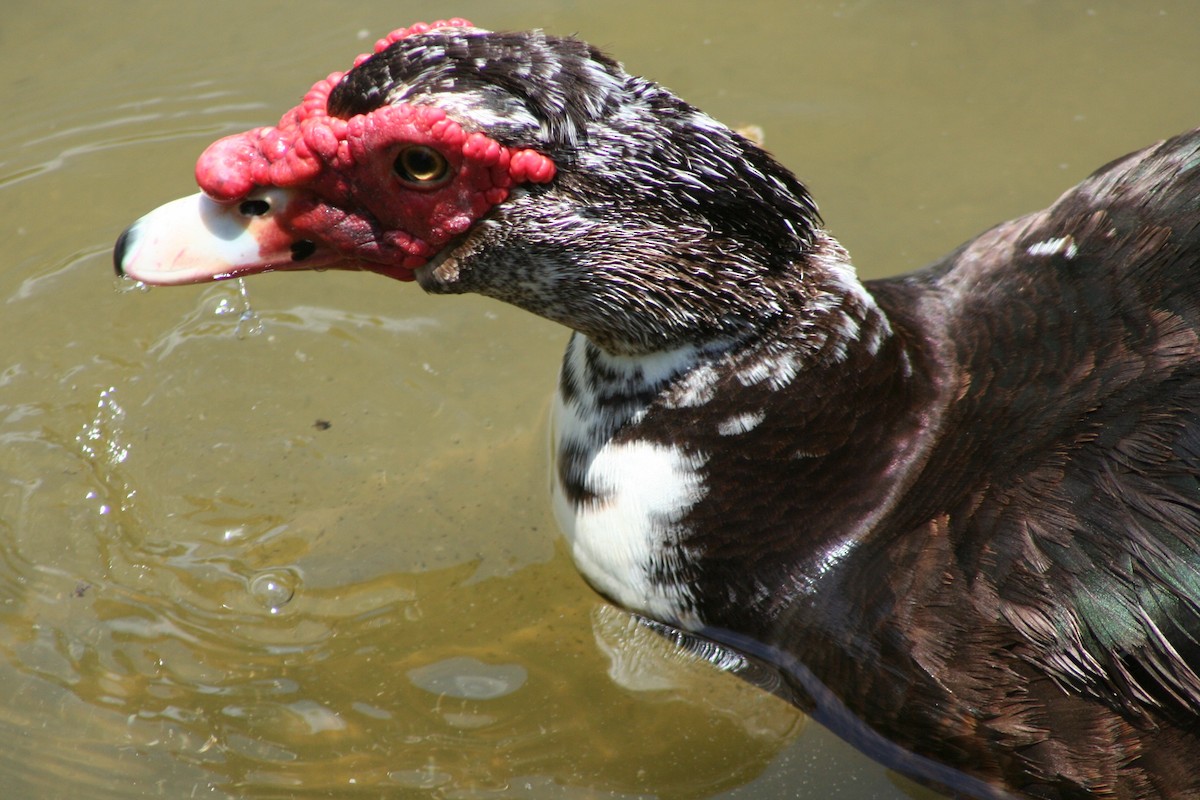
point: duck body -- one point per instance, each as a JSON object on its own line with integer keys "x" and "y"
{"x": 958, "y": 511}
{"x": 968, "y": 518}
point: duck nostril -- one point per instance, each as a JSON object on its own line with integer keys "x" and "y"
{"x": 302, "y": 249}
{"x": 254, "y": 208}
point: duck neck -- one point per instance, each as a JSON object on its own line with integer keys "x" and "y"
{"x": 651, "y": 449}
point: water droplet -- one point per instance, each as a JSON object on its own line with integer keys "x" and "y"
{"x": 248, "y": 323}
{"x": 274, "y": 589}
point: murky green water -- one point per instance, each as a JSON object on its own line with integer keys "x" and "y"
{"x": 298, "y": 545}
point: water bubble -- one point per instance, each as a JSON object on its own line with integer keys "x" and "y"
{"x": 274, "y": 589}
{"x": 234, "y": 534}
{"x": 428, "y": 777}
{"x": 469, "y": 678}
{"x": 102, "y": 439}
{"x": 317, "y": 717}
{"x": 124, "y": 285}
{"x": 103, "y": 442}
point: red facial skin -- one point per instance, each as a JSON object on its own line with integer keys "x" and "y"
{"x": 348, "y": 199}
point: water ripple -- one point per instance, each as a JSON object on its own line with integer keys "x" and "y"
{"x": 183, "y": 116}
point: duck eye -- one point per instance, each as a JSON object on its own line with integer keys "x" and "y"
{"x": 421, "y": 166}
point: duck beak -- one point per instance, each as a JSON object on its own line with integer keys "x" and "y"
{"x": 196, "y": 239}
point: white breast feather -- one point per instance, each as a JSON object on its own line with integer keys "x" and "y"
{"x": 644, "y": 491}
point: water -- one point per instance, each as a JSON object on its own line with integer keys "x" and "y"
{"x": 292, "y": 539}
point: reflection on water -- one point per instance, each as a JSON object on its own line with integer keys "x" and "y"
{"x": 291, "y": 538}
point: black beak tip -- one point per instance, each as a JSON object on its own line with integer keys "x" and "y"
{"x": 119, "y": 252}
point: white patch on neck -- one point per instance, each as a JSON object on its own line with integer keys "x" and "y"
{"x": 626, "y": 538}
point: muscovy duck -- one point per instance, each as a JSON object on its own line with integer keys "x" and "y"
{"x": 958, "y": 511}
